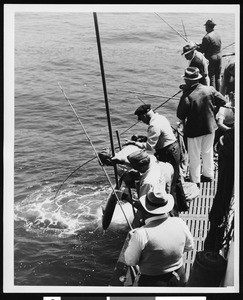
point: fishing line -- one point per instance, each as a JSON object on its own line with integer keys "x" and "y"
{"x": 96, "y": 154}
{"x": 73, "y": 173}
{"x": 228, "y": 46}
{"x": 154, "y": 110}
{"x": 172, "y": 28}
{"x": 146, "y": 94}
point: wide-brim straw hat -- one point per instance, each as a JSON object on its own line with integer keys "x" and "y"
{"x": 157, "y": 201}
{"x": 192, "y": 73}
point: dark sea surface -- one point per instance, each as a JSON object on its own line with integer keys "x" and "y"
{"x": 58, "y": 241}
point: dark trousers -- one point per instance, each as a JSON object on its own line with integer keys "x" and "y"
{"x": 172, "y": 155}
{"x": 214, "y": 70}
{"x": 175, "y": 278}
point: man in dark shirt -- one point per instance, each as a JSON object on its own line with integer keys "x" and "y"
{"x": 211, "y": 47}
{"x": 197, "y": 108}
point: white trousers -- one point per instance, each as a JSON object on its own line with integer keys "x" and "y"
{"x": 201, "y": 146}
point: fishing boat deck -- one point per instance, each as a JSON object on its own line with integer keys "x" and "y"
{"x": 197, "y": 220}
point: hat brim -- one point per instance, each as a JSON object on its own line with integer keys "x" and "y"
{"x": 157, "y": 210}
{"x": 192, "y": 79}
{"x": 210, "y": 25}
{"x": 185, "y": 53}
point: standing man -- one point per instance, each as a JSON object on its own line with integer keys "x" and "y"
{"x": 197, "y": 108}
{"x": 158, "y": 246}
{"x": 197, "y": 59}
{"x": 161, "y": 139}
{"x": 228, "y": 80}
{"x": 211, "y": 47}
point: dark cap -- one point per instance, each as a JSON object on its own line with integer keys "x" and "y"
{"x": 143, "y": 109}
{"x": 210, "y": 23}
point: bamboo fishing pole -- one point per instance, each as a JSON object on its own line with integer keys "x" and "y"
{"x": 184, "y": 29}
{"x": 172, "y": 28}
{"x": 96, "y": 154}
{"x": 105, "y": 92}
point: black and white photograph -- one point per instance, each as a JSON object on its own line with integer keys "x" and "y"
{"x": 121, "y": 149}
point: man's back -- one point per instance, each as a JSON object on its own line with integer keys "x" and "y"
{"x": 158, "y": 172}
{"x": 198, "y": 107}
{"x": 165, "y": 241}
{"x": 211, "y": 44}
{"x": 199, "y": 61}
{"x": 160, "y": 133}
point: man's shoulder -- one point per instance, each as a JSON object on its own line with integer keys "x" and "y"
{"x": 213, "y": 35}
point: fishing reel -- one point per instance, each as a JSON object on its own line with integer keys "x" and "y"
{"x": 139, "y": 138}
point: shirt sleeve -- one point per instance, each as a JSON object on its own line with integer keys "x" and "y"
{"x": 221, "y": 113}
{"x": 219, "y": 99}
{"x": 182, "y": 108}
{"x": 153, "y": 137}
{"x": 204, "y": 45}
{"x": 189, "y": 243}
{"x": 135, "y": 246}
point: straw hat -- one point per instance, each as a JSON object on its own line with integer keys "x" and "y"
{"x": 192, "y": 73}
{"x": 157, "y": 201}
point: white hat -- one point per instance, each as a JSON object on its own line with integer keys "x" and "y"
{"x": 157, "y": 201}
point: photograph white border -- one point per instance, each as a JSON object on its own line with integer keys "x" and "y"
{"x": 8, "y": 232}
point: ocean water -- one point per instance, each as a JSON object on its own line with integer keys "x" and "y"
{"x": 58, "y": 240}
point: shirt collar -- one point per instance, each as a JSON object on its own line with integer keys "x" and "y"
{"x": 164, "y": 216}
{"x": 153, "y": 116}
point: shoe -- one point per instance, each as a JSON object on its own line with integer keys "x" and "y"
{"x": 206, "y": 179}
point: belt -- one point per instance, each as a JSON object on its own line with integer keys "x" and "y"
{"x": 163, "y": 150}
{"x": 163, "y": 277}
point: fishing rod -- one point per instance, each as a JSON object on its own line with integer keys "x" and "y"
{"x": 96, "y": 154}
{"x": 72, "y": 174}
{"x": 184, "y": 29}
{"x": 105, "y": 91}
{"x": 154, "y": 110}
{"x": 228, "y": 54}
{"x": 172, "y": 28}
{"x": 168, "y": 100}
{"x": 142, "y": 93}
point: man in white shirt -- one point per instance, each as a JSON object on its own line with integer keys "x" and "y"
{"x": 161, "y": 139}
{"x": 158, "y": 246}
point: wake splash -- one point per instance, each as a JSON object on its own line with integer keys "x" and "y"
{"x": 70, "y": 212}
